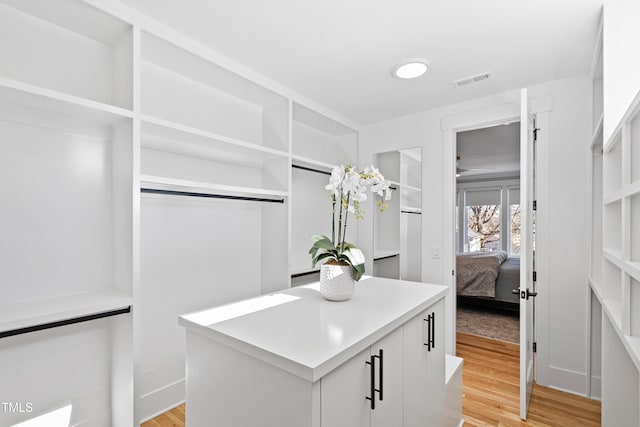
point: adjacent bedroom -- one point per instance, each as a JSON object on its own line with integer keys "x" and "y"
{"x": 488, "y": 231}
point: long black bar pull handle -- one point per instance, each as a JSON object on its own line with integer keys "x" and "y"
{"x": 428, "y": 343}
{"x": 372, "y": 364}
{"x": 433, "y": 330}
{"x": 380, "y": 356}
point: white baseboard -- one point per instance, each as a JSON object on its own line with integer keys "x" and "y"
{"x": 596, "y": 388}
{"x": 161, "y": 400}
{"x": 568, "y": 381}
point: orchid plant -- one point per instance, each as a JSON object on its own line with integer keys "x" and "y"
{"x": 348, "y": 190}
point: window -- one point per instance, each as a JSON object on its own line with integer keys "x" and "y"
{"x": 514, "y": 221}
{"x": 488, "y": 218}
{"x": 483, "y": 228}
{"x": 482, "y": 219}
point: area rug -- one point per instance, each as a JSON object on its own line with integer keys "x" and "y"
{"x": 497, "y": 325}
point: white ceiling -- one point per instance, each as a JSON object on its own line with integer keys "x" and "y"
{"x": 493, "y": 151}
{"x": 339, "y": 53}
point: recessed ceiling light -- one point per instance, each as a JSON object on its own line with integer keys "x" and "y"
{"x": 410, "y": 69}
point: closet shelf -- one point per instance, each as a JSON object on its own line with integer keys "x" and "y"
{"x": 385, "y": 253}
{"x": 411, "y": 187}
{"x": 596, "y": 286}
{"x": 633, "y": 347}
{"x": 13, "y": 92}
{"x": 409, "y": 209}
{"x": 632, "y": 111}
{"x": 310, "y": 163}
{"x": 597, "y": 133}
{"x": 614, "y": 256}
{"x": 170, "y": 136}
{"x": 181, "y": 185}
{"x": 632, "y": 189}
{"x": 614, "y": 197}
{"x": 403, "y": 186}
{"x": 614, "y": 311}
{"x": 34, "y": 314}
{"x": 633, "y": 269}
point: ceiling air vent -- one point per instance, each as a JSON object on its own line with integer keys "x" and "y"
{"x": 472, "y": 79}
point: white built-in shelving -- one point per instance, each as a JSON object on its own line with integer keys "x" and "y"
{"x": 318, "y": 144}
{"x": 156, "y": 178}
{"x": 397, "y": 237}
{"x": 67, "y": 122}
{"x": 321, "y": 138}
{"x": 34, "y": 314}
{"x": 615, "y": 233}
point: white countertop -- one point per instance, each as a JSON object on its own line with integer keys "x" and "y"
{"x": 300, "y": 332}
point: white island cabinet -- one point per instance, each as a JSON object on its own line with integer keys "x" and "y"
{"x": 292, "y": 359}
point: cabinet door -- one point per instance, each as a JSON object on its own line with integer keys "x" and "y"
{"x": 424, "y": 368}
{"x": 436, "y": 366}
{"x": 345, "y": 390}
{"x": 343, "y": 394}
{"x": 389, "y": 406}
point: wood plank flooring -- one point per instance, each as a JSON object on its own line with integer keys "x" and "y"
{"x": 490, "y": 388}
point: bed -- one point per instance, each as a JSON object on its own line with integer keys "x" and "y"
{"x": 487, "y": 279}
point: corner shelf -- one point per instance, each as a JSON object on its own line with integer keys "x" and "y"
{"x": 27, "y": 315}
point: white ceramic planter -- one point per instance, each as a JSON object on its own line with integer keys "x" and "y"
{"x": 336, "y": 282}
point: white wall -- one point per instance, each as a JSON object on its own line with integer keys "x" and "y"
{"x": 562, "y": 201}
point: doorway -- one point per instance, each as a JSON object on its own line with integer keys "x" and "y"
{"x": 487, "y": 231}
{"x": 526, "y": 112}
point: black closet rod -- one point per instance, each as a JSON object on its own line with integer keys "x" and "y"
{"x": 311, "y": 169}
{"x": 410, "y": 212}
{"x": 210, "y": 196}
{"x": 306, "y": 273}
{"x": 385, "y": 257}
{"x": 64, "y": 322}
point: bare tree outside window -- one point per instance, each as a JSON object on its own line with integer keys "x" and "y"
{"x": 514, "y": 248}
{"x": 483, "y": 224}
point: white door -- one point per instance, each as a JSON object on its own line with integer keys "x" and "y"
{"x": 527, "y": 290}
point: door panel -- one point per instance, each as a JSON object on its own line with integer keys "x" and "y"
{"x": 526, "y": 253}
{"x": 389, "y": 410}
{"x": 424, "y": 375}
{"x": 343, "y": 394}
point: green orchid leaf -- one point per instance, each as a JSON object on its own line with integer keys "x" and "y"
{"x": 321, "y": 242}
{"x": 348, "y": 245}
{"x": 356, "y": 260}
{"x": 313, "y": 251}
{"x": 358, "y": 271}
{"x": 321, "y": 257}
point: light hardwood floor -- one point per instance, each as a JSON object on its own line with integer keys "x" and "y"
{"x": 490, "y": 388}
{"x": 490, "y": 379}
